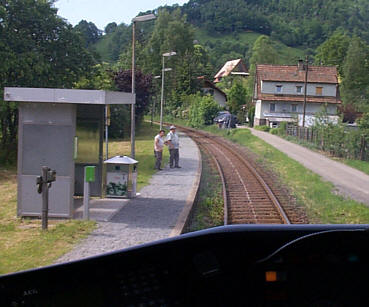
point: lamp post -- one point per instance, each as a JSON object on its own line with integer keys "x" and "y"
{"x": 133, "y": 124}
{"x": 305, "y": 90}
{"x": 167, "y": 54}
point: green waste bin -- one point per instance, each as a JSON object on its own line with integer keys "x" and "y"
{"x": 120, "y": 177}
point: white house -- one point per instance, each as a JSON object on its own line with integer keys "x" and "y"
{"x": 279, "y": 93}
{"x": 208, "y": 87}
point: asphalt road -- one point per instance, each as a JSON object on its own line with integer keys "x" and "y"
{"x": 349, "y": 182}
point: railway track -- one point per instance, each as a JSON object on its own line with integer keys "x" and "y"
{"x": 248, "y": 198}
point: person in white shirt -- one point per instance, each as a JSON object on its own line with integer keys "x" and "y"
{"x": 158, "y": 149}
{"x": 173, "y": 142}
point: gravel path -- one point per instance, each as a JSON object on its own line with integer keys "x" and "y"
{"x": 152, "y": 215}
{"x": 349, "y": 182}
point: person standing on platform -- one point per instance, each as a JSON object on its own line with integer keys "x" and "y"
{"x": 158, "y": 149}
{"x": 173, "y": 143}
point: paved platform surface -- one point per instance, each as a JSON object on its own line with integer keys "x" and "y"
{"x": 349, "y": 182}
{"x": 156, "y": 214}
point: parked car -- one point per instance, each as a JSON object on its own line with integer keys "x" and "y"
{"x": 220, "y": 117}
{"x": 226, "y": 120}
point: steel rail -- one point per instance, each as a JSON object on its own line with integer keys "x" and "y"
{"x": 274, "y": 200}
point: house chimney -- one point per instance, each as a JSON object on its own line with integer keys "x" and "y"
{"x": 301, "y": 65}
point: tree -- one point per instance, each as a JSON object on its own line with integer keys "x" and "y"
{"x": 89, "y": 32}
{"x": 123, "y": 81}
{"x": 355, "y": 86}
{"x": 37, "y": 49}
{"x": 202, "y": 110}
{"x": 263, "y": 52}
{"x": 100, "y": 78}
{"x": 236, "y": 97}
{"x": 171, "y": 33}
{"x": 110, "y": 27}
{"x": 333, "y": 51}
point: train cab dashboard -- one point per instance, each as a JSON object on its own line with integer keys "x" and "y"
{"x": 246, "y": 265}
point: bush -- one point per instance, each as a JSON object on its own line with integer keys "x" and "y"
{"x": 202, "y": 110}
{"x": 262, "y": 128}
{"x": 274, "y": 131}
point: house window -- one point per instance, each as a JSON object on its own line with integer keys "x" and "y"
{"x": 319, "y": 90}
{"x": 272, "y": 107}
{"x": 278, "y": 88}
{"x": 294, "y": 108}
{"x": 299, "y": 89}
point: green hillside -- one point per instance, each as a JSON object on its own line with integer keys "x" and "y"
{"x": 221, "y": 47}
{"x": 227, "y": 46}
{"x": 228, "y": 28}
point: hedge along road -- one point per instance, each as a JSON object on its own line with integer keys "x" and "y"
{"x": 349, "y": 182}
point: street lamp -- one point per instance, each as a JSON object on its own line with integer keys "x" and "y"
{"x": 167, "y": 54}
{"x": 134, "y": 20}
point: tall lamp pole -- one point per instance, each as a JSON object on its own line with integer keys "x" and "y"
{"x": 305, "y": 91}
{"x": 133, "y": 119}
{"x": 168, "y": 54}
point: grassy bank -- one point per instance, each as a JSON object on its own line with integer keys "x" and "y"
{"x": 208, "y": 210}
{"x": 358, "y": 164}
{"x": 322, "y": 204}
{"x": 23, "y": 245}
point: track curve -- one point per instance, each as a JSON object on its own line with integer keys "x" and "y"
{"x": 247, "y": 197}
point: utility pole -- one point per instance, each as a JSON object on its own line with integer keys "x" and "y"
{"x": 167, "y": 54}
{"x": 133, "y": 111}
{"x": 305, "y": 89}
{"x": 162, "y": 96}
{"x": 133, "y": 106}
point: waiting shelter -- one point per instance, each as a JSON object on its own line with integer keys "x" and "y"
{"x": 62, "y": 129}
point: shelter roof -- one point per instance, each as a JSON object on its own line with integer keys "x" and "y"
{"x": 74, "y": 96}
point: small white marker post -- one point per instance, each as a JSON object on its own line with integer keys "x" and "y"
{"x": 89, "y": 177}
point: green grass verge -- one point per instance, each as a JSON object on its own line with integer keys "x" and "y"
{"x": 23, "y": 245}
{"x": 358, "y": 164}
{"x": 318, "y": 197}
{"x": 208, "y": 210}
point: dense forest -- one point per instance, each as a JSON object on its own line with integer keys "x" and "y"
{"x": 295, "y": 22}
{"x": 228, "y": 29}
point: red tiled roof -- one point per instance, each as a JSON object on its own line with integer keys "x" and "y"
{"x": 300, "y": 98}
{"x": 291, "y": 73}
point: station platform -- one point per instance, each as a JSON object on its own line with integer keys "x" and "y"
{"x": 159, "y": 211}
